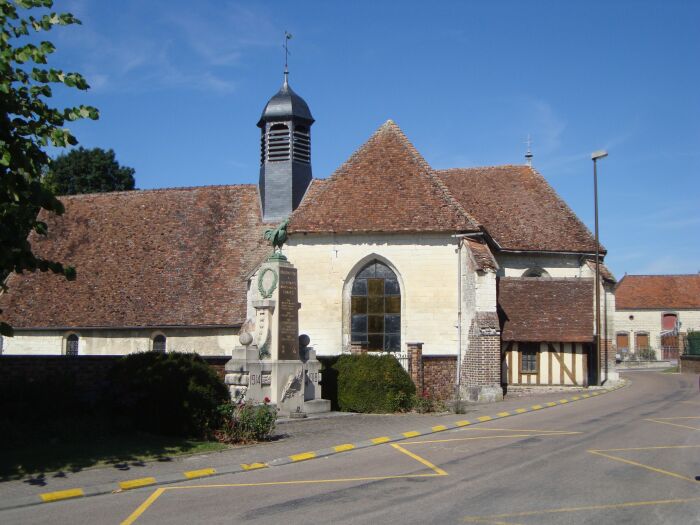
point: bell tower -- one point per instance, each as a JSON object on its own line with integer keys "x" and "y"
{"x": 285, "y": 152}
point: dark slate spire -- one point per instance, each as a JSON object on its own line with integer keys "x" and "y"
{"x": 285, "y": 153}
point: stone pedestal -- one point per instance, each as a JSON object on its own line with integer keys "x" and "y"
{"x": 270, "y": 363}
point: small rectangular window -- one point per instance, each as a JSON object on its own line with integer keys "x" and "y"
{"x": 528, "y": 358}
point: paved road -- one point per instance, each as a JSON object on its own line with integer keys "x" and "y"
{"x": 631, "y": 456}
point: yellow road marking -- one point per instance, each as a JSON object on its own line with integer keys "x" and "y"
{"x": 463, "y": 423}
{"x": 644, "y": 448}
{"x": 536, "y": 407}
{"x": 380, "y": 440}
{"x": 478, "y": 429}
{"x": 487, "y": 519}
{"x": 61, "y": 494}
{"x": 438, "y": 428}
{"x": 503, "y": 414}
{"x": 484, "y": 418}
{"x": 642, "y": 465}
{"x": 428, "y": 441}
{"x": 679, "y": 417}
{"x": 191, "y": 474}
{"x": 136, "y": 483}
{"x": 520, "y": 410}
{"x": 551, "y": 404}
{"x": 562, "y": 401}
{"x": 143, "y": 507}
{"x": 411, "y": 434}
{"x": 344, "y": 448}
{"x": 253, "y": 466}
{"x": 672, "y": 424}
{"x": 421, "y": 460}
{"x": 585, "y": 395}
{"x": 303, "y": 456}
{"x": 575, "y": 398}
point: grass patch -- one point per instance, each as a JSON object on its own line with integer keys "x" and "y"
{"x": 75, "y": 453}
{"x": 672, "y": 370}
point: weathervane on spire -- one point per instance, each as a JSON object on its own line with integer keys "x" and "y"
{"x": 287, "y": 37}
{"x": 528, "y": 155}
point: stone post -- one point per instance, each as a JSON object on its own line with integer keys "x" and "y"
{"x": 415, "y": 356}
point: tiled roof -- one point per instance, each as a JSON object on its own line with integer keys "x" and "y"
{"x": 658, "y": 292}
{"x": 540, "y": 309}
{"x": 482, "y": 255}
{"x": 175, "y": 257}
{"x": 605, "y": 273}
{"x": 385, "y": 186}
{"x": 519, "y": 209}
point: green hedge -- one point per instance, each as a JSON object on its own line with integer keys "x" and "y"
{"x": 174, "y": 393}
{"x": 373, "y": 384}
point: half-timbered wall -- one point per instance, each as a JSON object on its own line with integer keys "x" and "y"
{"x": 557, "y": 364}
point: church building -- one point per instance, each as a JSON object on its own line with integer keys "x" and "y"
{"x": 485, "y": 271}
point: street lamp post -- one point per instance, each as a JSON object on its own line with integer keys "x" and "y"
{"x": 600, "y": 154}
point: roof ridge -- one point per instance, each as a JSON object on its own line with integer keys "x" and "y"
{"x": 472, "y": 168}
{"x": 390, "y": 124}
{"x": 138, "y": 191}
{"x": 662, "y": 275}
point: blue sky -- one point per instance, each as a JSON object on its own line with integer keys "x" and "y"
{"x": 180, "y": 86}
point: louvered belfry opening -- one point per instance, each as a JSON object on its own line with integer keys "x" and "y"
{"x": 302, "y": 144}
{"x": 277, "y": 143}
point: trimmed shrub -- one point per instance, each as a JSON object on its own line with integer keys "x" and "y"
{"x": 373, "y": 384}
{"x": 174, "y": 394}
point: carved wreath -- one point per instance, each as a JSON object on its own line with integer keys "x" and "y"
{"x": 266, "y": 294}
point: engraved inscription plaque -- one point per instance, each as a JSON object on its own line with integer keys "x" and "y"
{"x": 288, "y": 335}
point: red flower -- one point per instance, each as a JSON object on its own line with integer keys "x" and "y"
{"x": 266, "y": 400}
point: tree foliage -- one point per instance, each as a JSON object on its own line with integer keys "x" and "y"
{"x": 88, "y": 171}
{"x": 28, "y": 124}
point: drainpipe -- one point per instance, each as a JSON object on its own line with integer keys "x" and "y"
{"x": 458, "y": 381}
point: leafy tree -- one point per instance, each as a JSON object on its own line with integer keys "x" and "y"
{"x": 27, "y": 126}
{"x": 88, "y": 171}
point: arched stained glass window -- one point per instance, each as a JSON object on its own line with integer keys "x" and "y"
{"x": 376, "y": 309}
{"x": 72, "y": 345}
{"x": 159, "y": 343}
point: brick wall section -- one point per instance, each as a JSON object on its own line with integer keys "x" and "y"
{"x": 439, "y": 376}
{"x": 415, "y": 366}
{"x": 690, "y": 364}
{"x": 481, "y": 364}
{"x": 90, "y": 371}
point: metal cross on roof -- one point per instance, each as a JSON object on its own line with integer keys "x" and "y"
{"x": 287, "y": 37}
{"x": 528, "y": 155}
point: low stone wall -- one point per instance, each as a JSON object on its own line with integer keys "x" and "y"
{"x": 90, "y": 372}
{"x": 439, "y": 372}
{"x": 690, "y": 364}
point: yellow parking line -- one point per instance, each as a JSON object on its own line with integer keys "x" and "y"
{"x": 438, "y": 428}
{"x": 411, "y": 434}
{"x": 520, "y": 410}
{"x": 484, "y": 418}
{"x": 672, "y": 424}
{"x": 536, "y": 407}
{"x": 494, "y": 517}
{"x": 503, "y": 414}
{"x": 551, "y": 404}
{"x": 642, "y": 465}
{"x": 136, "y": 483}
{"x": 253, "y": 466}
{"x": 644, "y": 448}
{"x": 563, "y": 401}
{"x": 585, "y": 396}
{"x": 425, "y": 462}
{"x": 575, "y": 398}
{"x": 380, "y": 440}
{"x": 344, "y": 448}
{"x": 191, "y": 474}
{"x": 143, "y": 507}
{"x": 463, "y": 423}
{"x": 61, "y": 494}
{"x": 303, "y": 456}
{"x": 476, "y": 438}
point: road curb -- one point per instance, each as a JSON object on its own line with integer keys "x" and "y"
{"x": 168, "y": 479}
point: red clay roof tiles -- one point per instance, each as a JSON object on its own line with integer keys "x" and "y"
{"x": 519, "y": 209}
{"x": 385, "y": 186}
{"x": 659, "y": 292}
{"x": 542, "y": 309}
{"x": 175, "y": 257}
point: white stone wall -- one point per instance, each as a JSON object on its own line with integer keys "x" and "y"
{"x": 204, "y": 341}
{"x": 515, "y": 264}
{"x": 426, "y": 265}
{"x": 649, "y": 321}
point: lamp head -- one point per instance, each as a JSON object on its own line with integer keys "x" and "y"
{"x": 600, "y": 154}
